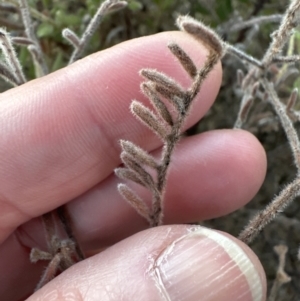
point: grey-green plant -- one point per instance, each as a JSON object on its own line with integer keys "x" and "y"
{"x": 259, "y": 80}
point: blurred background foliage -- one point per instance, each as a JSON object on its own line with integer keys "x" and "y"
{"x": 147, "y": 17}
{"x": 141, "y": 18}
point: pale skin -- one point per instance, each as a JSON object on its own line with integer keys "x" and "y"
{"x": 60, "y": 145}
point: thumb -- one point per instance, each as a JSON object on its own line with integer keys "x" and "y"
{"x": 169, "y": 263}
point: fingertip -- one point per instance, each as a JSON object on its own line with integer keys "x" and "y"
{"x": 223, "y": 171}
{"x": 165, "y": 263}
{"x": 211, "y": 174}
{"x": 218, "y": 265}
{"x": 121, "y": 65}
{"x": 254, "y": 260}
{"x": 251, "y": 157}
{"x": 253, "y": 149}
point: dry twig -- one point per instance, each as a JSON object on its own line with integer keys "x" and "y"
{"x": 80, "y": 44}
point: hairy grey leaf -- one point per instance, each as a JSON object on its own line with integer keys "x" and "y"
{"x": 149, "y": 90}
{"x": 138, "y": 154}
{"x": 135, "y": 201}
{"x": 149, "y": 118}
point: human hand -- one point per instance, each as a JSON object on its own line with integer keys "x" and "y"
{"x": 60, "y": 145}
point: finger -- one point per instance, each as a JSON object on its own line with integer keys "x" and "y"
{"x": 211, "y": 175}
{"x": 165, "y": 263}
{"x": 63, "y": 137}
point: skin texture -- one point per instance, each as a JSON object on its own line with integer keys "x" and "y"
{"x": 60, "y": 145}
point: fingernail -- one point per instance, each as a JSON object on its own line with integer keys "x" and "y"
{"x": 206, "y": 265}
